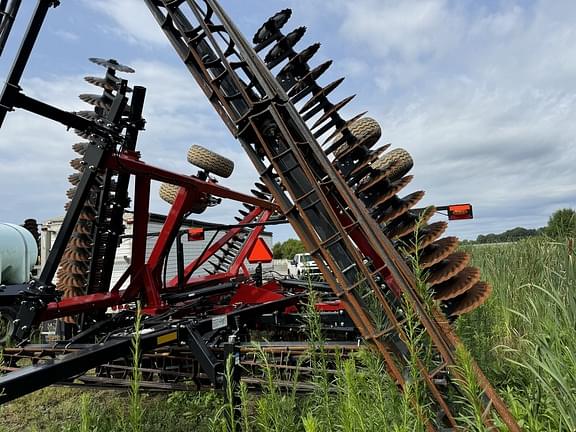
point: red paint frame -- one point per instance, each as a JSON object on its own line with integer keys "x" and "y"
{"x": 145, "y": 275}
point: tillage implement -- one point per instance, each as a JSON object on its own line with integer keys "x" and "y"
{"x": 323, "y": 173}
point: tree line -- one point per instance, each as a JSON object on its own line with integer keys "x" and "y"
{"x": 561, "y": 225}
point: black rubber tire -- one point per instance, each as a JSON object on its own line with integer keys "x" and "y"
{"x": 7, "y": 317}
{"x": 210, "y": 161}
{"x": 399, "y": 160}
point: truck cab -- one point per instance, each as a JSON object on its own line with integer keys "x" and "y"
{"x": 303, "y": 266}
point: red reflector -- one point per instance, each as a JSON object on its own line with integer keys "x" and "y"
{"x": 260, "y": 253}
{"x": 195, "y": 234}
{"x": 460, "y": 211}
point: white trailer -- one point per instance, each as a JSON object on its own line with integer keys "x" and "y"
{"x": 192, "y": 249}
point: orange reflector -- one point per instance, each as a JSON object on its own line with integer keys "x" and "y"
{"x": 460, "y": 211}
{"x": 195, "y": 234}
{"x": 260, "y": 253}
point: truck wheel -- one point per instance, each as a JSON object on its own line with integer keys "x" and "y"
{"x": 7, "y": 317}
{"x": 210, "y": 161}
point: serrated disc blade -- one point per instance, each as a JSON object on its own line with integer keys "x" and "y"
{"x": 407, "y": 225}
{"x": 73, "y": 267}
{"x": 71, "y": 192}
{"x": 77, "y": 254}
{"x": 261, "y": 195}
{"x": 72, "y": 280}
{"x": 83, "y": 227}
{"x": 80, "y": 240}
{"x": 271, "y": 27}
{"x": 111, "y": 64}
{"x": 362, "y": 169}
{"x": 448, "y": 267}
{"x": 389, "y": 191}
{"x": 438, "y": 251}
{"x": 400, "y": 207}
{"x": 88, "y": 115}
{"x": 283, "y": 47}
{"x": 80, "y": 147}
{"x": 425, "y": 236}
{"x": 95, "y": 100}
{"x": 308, "y": 82}
{"x": 457, "y": 285}
{"x": 262, "y": 187}
{"x": 333, "y": 111}
{"x": 74, "y": 179}
{"x": 470, "y": 300}
{"x": 77, "y": 164}
{"x": 100, "y": 82}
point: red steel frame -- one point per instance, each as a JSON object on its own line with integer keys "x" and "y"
{"x": 146, "y": 275}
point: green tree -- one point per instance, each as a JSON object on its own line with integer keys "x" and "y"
{"x": 278, "y": 251}
{"x": 562, "y": 224}
{"x": 292, "y": 247}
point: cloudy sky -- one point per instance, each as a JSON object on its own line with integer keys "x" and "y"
{"x": 482, "y": 93}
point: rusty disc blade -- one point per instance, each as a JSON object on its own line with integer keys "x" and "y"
{"x": 437, "y": 251}
{"x": 88, "y": 115}
{"x": 71, "y": 192}
{"x": 470, "y": 300}
{"x": 80, "y": 147}
{"x": 261, "y": 195}
{"x": 283, "y": 47}
{"x": 95, "y": 100}
{"x": 111, "y": 64}
{"x": 408, "y": 224}
{"x": 77, "y": 164}
{"x": 74, "y": 179}
{"x": 83, "y": 227}
{"x": 80, "y": 242}
{"x": 73, "y": 281}
{"x": 100, "y": 82}
{"x": 87, "y": 215}
{"x": 262, "y": 187}
{"x": 341, "y": 134}
{"x": 319, "y": 96}
{"x": 448, "y": 267}
{"x": 377, "y": 178}
{"x": 426, "y": 236}
{"x": 363, "y": 168}
{"x": 82, "y": 250}
{"x": 70, "y": 266}
{"x": 457, "y": 285}
{"x": 390, "y": 191}
{"x": 400, "y": 207}
{"x": 271, "y": 27}
{"x": 307, "y": 84}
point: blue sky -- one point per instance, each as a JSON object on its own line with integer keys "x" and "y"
{"x": 482, "y": 93}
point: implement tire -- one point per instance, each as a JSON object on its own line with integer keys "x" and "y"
{"x": 398, "y": 161}
{"x": 210, "y": 161}
{"x": 7, "y": 317}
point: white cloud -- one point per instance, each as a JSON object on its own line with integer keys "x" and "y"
{"x": 132, "y": 20}
{"x": 481, "y": 94}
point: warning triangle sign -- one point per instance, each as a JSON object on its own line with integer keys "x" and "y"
{"x": 260, "y": 253}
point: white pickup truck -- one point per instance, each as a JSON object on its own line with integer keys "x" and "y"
{"x": 303, "y": 266}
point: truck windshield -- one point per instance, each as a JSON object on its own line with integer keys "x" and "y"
{"x": 306, "y": 258}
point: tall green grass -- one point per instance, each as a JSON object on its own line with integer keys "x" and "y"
{"x": 525, "y": 336}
